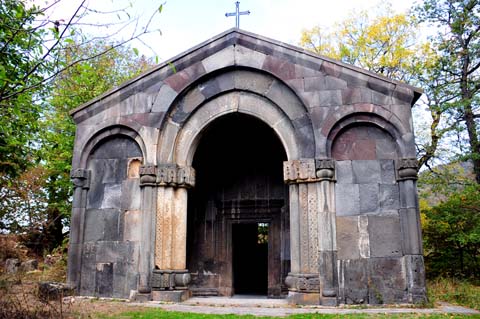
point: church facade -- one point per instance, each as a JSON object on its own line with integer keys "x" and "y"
{"x": 248, "y": 166}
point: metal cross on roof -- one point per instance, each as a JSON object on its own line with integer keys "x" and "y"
{"x": 237, "y": 14}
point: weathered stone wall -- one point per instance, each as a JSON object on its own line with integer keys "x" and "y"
{"x": 112, "y": 220}
{"x": 348, "y": 138}
{"x": 368, "y": 222}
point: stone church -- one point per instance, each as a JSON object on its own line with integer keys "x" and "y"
{"x": 248, "y": 166}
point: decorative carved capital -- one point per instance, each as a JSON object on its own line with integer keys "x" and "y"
{"x": 175, "y": 176}
{"x": 299, "y": 171}
{"x": 303, "y": 282}
{"x": 80, "y": 178}
{"x": 170, "y": 279}
{"x": 148, "y": 175}
{"x": 308, "y": 170}
{"x": 185, "y": 177}
{"x": 407, "y": 168}
{"x": 325, "y": 169}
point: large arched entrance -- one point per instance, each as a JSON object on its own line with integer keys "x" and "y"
{"x": 238, "y": 223}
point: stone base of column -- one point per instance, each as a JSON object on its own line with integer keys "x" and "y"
{"x": 303, "y": 298}
{"x": 417, "y": 293}
{"x": 141, "y": 297}
{"x": 171, "y": 295}
{"x": 328, "y": 301}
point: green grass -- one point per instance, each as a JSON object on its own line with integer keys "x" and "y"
{"x": 159, "y": 313}
{"x": 454, "y": 291}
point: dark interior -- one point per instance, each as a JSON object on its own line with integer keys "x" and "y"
{"x": 250, "y": 259}
{"x": 239, "y": 180}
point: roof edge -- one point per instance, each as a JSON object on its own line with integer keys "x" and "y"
{"x": 417, "y": 92}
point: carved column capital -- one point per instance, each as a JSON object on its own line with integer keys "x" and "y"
{"x": 299, "y": 171}
{"x": 148, "y": 175}
{"x": 407, "y": 168}
{"x": 325, "y": 169}
{"x": 175, "y": 176}
{"x": 308, "y": 170}
{"x": 80, "y": 178}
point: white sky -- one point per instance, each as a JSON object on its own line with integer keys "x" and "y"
{"x": 185, "y": 23}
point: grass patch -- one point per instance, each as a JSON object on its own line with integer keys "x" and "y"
{"x": 159, "y": 313}
{"x": 455, "y": 291}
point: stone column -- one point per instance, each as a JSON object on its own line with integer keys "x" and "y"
{"x": 312, "y": 231}
{"x": 411, "y": 229}
{"x": 325, "y": 172}
{"x": 170, "y": 277}
{"x": 148, "y": 178}
{"x": 81, "y": 183}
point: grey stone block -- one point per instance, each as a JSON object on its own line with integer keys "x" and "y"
{"x": 386, "y": 148}
{"x": 170, "y": 295}
{"x": 334, "y": 83}
{"x": 112, "y": 228}
{"x": 355, "y": 281}
{"x": 344, "y": 172}
{"x": 88, "y": 272}
{"x": 389, "y": 197}
{"x": 111, "y": 171}
{"x": 249, "y": 81}
{"x": 387, "y": 171}
{"x": 29, "y": 265}
{"x": 131, "y": 194}
{"x": 48, "y": 291}
{"x": 347, "y": 199}
{"x": 369, "y": 198}
{"x": 113, "y": 251}
{"x": 94, "y": 225}
{"x": 96, "y": 191}
{"x": 385, "y": 236}
{"x": 314, "y": 83}
{"x": 120, "y": 281}
{"x": 12, "y": 265}
{"x": 329, "y": 98}
{"x": 104, "y": 280}
{"x": 387, "y": 282}
{"x": 112, "y": 196}
{"x": 164, "y": 98}
{"x": 132, "y": 225}
{"x": 366, "y": 172}
{"x": 347, "y": 237}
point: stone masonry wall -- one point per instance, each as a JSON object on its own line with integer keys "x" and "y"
{"x": 112, "y": 218}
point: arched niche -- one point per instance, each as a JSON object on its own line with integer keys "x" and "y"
{"x": 112, "y": 222}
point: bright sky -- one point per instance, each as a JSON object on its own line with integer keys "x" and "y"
{"x": 185, "y": 23}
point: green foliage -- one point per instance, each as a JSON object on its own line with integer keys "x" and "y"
{"x": 382, "y": 42}
{"x": 453, "y": 81}
{"x": 21, "y": 50}
{"x": 451, "y": 233}
{"x": 81, "y": 82}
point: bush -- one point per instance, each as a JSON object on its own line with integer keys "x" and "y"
{"x": 451, "y": 233}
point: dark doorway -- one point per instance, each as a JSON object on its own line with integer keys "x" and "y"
{"x": 239, "y": 193}
{"x": 250, "y": 258}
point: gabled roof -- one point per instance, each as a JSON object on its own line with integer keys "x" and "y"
{"x": 254, "y": 42}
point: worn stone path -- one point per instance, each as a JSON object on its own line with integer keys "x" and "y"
{"x": 280, "y": 308}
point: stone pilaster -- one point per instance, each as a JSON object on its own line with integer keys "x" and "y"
{"x": 171, "y": 228}
{"x": 411, "y": 231}
{"x": 312, "y": 231}
{"x": 325, "y": 172}
{"x": 148, "y": 177}
{"x": 81, "y": 183}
